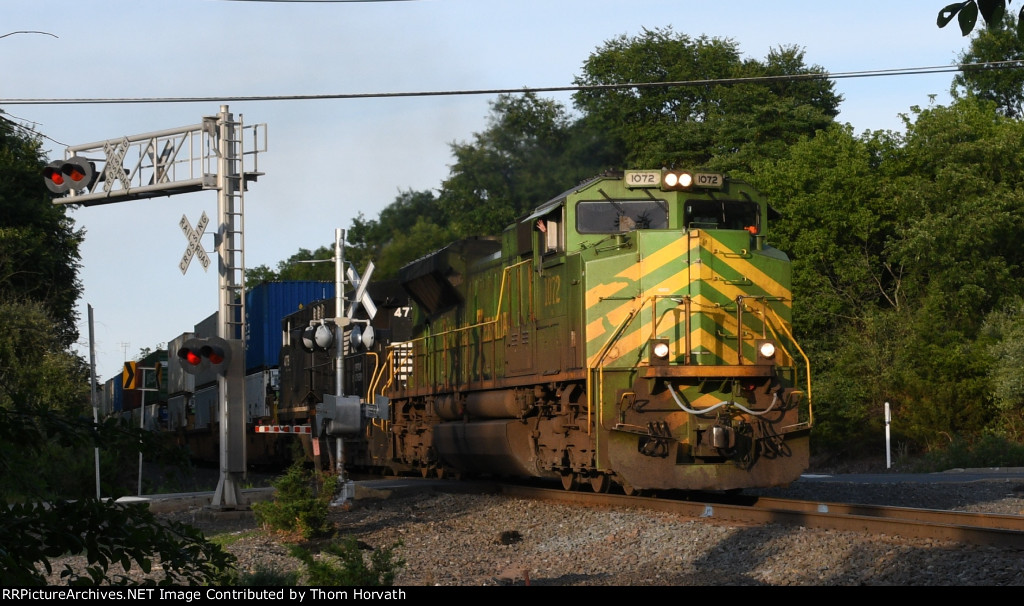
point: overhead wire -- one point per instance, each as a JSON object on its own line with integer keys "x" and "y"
{"x": 990, "y": 65}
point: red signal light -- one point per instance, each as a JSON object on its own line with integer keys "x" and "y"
{"x": 53, "y": 176}
{"x": 72, "y": 174}
{"x": 75, "y": 174}
{"x": 214, "y": 355}
{"x": 199, "y": 355}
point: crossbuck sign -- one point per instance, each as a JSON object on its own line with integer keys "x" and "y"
{"x": 195, "y": 246}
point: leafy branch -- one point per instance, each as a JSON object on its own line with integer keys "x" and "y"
{"x": 991, "y": 11}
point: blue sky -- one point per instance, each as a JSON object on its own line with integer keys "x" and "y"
{"x": 328, "y": 160}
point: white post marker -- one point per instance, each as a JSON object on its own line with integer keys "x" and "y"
{"x": 888, "y": 449}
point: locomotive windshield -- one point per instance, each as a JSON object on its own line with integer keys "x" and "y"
{"x": 722, "y": 214}
{"x": 617, "y": 216}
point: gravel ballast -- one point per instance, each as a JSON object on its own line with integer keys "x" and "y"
{"x": 455, "y": 539}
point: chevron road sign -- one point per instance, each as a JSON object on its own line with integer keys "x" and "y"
{"x": 130, "y": 376}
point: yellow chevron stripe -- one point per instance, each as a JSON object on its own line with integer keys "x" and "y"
{"x": 598, "y": 329}
{"x": 673, "y": 252}
{"x": 744, "y": 268}
{"x": 717, "y": 347}
{"x": 607, "y": 289}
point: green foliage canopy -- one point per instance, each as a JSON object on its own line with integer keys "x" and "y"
{"x": 45, "y": 412}
{"x": 715, "y": 109}
{"x": 1004, "y": 83}
{"x": 39, "y": 245}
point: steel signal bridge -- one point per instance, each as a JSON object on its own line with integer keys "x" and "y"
{"x": 208, "y": 155}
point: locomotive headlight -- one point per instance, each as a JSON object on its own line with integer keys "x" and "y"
{"x": 766, "y": 349}
{"x": 659, "y": 352}
{"x": 677, "y": 180}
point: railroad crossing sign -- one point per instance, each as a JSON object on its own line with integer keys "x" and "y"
{"x": 195, "y": 247}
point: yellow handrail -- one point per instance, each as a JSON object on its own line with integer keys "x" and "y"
{"x": 807, "y": 362}
{"x": 493, "y": 321}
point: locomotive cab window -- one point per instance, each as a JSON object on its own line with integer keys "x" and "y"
{"x": 722, "y": 214}
{"x": 619, "y": 216}
{"x": 552, "y": 232}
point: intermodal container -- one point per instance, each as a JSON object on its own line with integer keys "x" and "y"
{"x": 265, "y": 305}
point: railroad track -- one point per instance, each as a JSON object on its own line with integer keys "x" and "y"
{"x": 963, "y": 527}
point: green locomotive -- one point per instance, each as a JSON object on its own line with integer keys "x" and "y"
{"x": 632, "y": 331}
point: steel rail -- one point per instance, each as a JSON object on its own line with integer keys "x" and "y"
{"x": 960, "y": 527}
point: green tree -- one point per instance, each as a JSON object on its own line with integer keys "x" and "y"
{"x": 406, "y": 247}
{"x": 902, "y": 246}
{"x": 516, "y": 164}
{"x": 39, "y": 256}
{"x": 690, "y": 121}
{"x": 43, "y": 420}
{"x": 960, "y": 181}
{"x": 297, "y": 267}
{"x": 1005, "y": 87}
{"x": 836, "y": 222}
{"x": 398, "y": 235}
{"x": 1003, "y": 337}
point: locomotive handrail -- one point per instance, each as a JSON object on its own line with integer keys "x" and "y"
{"x": 598, "y": 394}
{"x": 383, "y": 369}
{"x": 374, "y": 376}
{"x": 501, "y": 296}
{"x": 378, "y": 372}
{"x": 595, "y": 396}
{"x": 599, "y": 358}
{"x": 807, "y": 362}
{"x": 493, "y": 321}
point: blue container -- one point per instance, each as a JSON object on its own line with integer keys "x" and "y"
{"x": 265, "y": 306}
{"x": 117, "y": 405}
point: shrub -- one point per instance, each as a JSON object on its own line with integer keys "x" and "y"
{"x": 342, "y": 565}
{"x": 990, "y": 449}
{"x": 301, "y": 502}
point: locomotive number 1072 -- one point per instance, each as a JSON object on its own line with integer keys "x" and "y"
{"x": 642, "y": 178}
{"x": 652, "y": 178}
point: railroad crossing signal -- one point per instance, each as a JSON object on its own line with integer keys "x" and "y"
{"x": 74, "y": 174}
{"x": 195, "y": 246}
{"x": 130, "y": 376}
{"x": 203, "y": 354}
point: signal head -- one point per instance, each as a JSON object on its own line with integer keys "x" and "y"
{"x": 317, "y": 337}
{"x": 205, "y": 354}
{"x": 74, "y": 174}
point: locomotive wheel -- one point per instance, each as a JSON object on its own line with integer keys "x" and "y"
{"x": 600, "y": 483}
{"x": 628, "y": 490}
{"x": 570, "y": 480}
